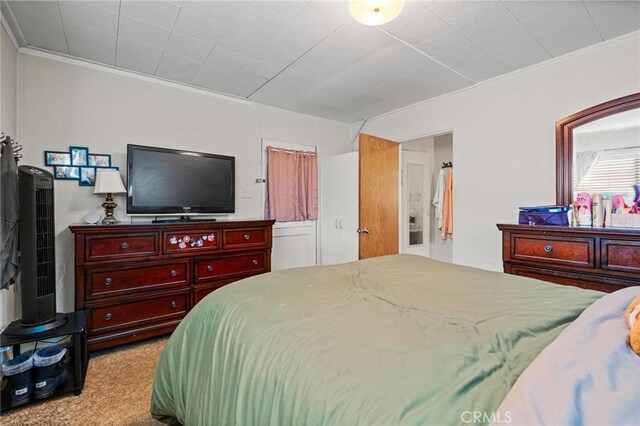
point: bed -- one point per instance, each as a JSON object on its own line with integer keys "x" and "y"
{"x": 391, "y": 340}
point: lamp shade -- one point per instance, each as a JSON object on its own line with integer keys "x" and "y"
{"x": 375, "y": 12}
{"x": 108, "y": 181}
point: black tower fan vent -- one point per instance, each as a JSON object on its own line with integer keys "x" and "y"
{"x": 37, "y": 253}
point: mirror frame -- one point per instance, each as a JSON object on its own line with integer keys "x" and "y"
{"x": 564, "y": 140}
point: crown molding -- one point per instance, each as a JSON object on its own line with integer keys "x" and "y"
{"x": 11, "y": 26}
{"x": 59, "y": 57}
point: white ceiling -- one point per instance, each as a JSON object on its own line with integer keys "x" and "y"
{"x": 311, "y": 56}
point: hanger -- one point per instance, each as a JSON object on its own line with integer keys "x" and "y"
{"x": 447, "y": 164}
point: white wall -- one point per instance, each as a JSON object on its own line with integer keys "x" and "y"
{"x": 8, "y": 102}
{"x": 63, "y": 104}
{"x": 504, "y": 150}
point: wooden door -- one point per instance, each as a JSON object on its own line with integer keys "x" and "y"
{"x": 379, "y": 181}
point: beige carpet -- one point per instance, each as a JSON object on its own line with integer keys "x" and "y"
{"x": 117, "y": 391}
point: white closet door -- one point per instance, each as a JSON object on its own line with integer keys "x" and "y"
{"x": 339, "y": 208}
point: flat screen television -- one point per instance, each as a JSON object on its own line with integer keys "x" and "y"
{"x": 172, "y": 181}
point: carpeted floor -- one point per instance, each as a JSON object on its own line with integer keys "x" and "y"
{"x": 117, "y": 391}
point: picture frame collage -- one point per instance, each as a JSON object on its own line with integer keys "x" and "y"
{"x": 77, "y": 164}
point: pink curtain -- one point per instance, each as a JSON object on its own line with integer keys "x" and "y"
{"x": 292, "y": 185}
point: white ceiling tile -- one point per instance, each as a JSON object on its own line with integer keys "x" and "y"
{"x": 279, "y": 56}
{"x": 410, "y": 11}
{"x": 41, "y": 24}
{"x": 142, "y": 32}
{"x": 615, "y": 18}
{"x": 192, "y": 23}
{"x": 243, "y": 84}
{"x": 189, "y": 47}
{"x": 325, "y": 16}
{"x": 252, "y": 29}
{"x": 89, "y": 16}
{"x": 422, "y": 26}
{"x": 174, "y": 66}
{"x": 513, "y": 47}
{"x": 525, "y": 9}
{"x": 112, "y": 5}
{"x": 290, "y": 9}
{"x": 473, "y": 19}
{"x": 346, "y": 46}
{"x": 89, "y": 44}
{"x": 162, "y": 14}
{"x": 136, "y": 56}
{"x": 242, "y": 41}
{"x": 222, "y": 57}
{"x": 472, "y": 62}
{"x": 261, "y": 69}
{"x": 443, "y": 42}
{"x": 224, "y": 11}
{"x": 214, "y": 74}
{"x": 563, "y": 28}
{"x": 298, "y": 39}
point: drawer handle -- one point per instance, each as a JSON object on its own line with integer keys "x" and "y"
{"x": 173, "y": 273}
{"x": 209, "y": 268}
{"x": 548, "y": 249}
{"x": 108, "y": 281}
{"x": 108, "y": 316}
{"x": 124, "y": 245}
{"x": 255, "y": 262}
{"x": 246, "y": 237}
{"x": 174, "y": 304}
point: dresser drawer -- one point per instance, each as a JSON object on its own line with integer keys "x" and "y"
{"x": 190, "y": 241}
{"x": 225, "y": 267}
{"x": 244, "y": 238}
{"x": 620, "y": 255}
{"x": 592, "y": 282}
{"x": 107, "y": 282}
{"x": 200, "y": 291}
{"x": 142, "y": 310}
{"x": 119, "y": 246}
{"x": 567, "y": 251}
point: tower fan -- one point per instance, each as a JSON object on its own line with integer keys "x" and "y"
{"x": 37, "y": 254}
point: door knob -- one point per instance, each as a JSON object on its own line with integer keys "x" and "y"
{"x": 363, "y": 231}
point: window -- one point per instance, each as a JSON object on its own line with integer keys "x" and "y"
{"x": 608, "y": 172}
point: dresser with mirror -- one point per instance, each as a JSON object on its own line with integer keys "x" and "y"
{"x": 597, "y": 151}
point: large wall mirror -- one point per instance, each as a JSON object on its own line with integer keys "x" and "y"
{"x": 598, "y": 150}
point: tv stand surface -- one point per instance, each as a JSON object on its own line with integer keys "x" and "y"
{"x": 140, "y": 280}
{"x": 184, "y": 219}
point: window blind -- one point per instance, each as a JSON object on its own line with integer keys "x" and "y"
{"x": 615, "y": 172}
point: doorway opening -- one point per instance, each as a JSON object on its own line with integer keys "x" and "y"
{"x": 421, "y": 161}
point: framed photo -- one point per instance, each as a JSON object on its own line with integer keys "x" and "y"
{"x": 66, "y": 172}
{"x": 87, "y": 176}
{"x": 99, "y": 160}
{"x": 79, "y": 155}
{"x": 57, "y": 158}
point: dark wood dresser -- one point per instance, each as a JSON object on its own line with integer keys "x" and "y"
{"x": 596, "y": 258}
{"x": 140, "y": 280}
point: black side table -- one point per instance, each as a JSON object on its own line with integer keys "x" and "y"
{"x": 76, "y": 327}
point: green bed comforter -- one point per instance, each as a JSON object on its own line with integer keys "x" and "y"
{"x": 390, "y": 340}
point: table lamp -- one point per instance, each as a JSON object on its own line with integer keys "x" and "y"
{"x": 108, "y": 182}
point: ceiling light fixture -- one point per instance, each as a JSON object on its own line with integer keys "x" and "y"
{"x": 375, "y": 12}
